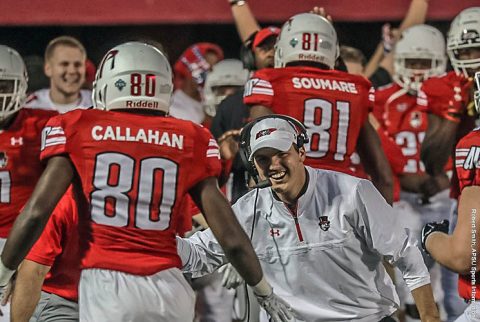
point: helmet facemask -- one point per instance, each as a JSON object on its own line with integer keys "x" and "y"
{"x": 13, "y": 82}
{"x": 463, "y": 37}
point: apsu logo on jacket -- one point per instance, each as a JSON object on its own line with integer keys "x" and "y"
{"x": 324, "y": 223}
{"x": 3, "y": 159}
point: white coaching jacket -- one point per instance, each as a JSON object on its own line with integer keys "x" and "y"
{"x": 327, "y": 262}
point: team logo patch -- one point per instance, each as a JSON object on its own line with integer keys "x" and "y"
{"x": 274, "y": 232}
{"x": 3, "y": 159}
{"x": 293, "y": 42}
{"x": 324, "y": 223}
{"x": 416, "y": 119}
{"x": 402, "y": 107}
{"x": 264, "y": 132}
{"x": 120, "y": 84}
{"x": 469, "y": 35}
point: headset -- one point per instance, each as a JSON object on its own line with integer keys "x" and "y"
{"x": 245, "y": 150}
{"x": 246, "y": 53}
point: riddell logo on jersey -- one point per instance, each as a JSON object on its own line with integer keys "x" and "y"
{"x": 142, "y": 104}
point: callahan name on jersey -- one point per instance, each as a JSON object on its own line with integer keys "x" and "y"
{"x": 118, "y": 133}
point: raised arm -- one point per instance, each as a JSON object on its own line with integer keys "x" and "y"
{"x": 416, "y": 14}
{"x": 244, "y": 19}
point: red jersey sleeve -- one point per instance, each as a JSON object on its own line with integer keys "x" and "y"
{"x": 259, "y": 90}
{"x": 467, "y": 160}
{"x": 208, "y": 154}
{"x": 445, "y": 96}
{"x": 54, "y": 139}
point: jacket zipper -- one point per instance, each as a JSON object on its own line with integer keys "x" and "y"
{"x": 293, "y": 212}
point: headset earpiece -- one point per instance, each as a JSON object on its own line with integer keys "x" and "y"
{"x": 246, "y": 53}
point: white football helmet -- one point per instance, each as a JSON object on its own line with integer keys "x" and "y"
{"x": 307, "y": 37}
{"x": 13, "y": 80}
{"x": 464, "y": 33}
{"x": 133, "y": 75}
{"x": 228, "y": 72}
{"x": 419, "y": 42}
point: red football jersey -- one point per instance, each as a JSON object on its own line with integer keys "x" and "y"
{"x": 20, "y": 165}
{"x": 404, "y": 121}
{"x": 332, "y": 105}
{"x": 135, "y": 171}
{"x": 467, "y": 165}
{"x": 59, "y": 247}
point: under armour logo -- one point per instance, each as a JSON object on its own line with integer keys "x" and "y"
{"x": 15, "y": 141}
{"x": 324, "y": 223}
{"x": 274, "y": 232}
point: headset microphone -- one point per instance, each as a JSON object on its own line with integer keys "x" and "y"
{"x": 262, "y": 184}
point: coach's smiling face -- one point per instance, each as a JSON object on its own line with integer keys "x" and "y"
{"x": 285, "y": 170}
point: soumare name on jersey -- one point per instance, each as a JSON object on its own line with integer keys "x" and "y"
{"x": 119, "y": 133}
{"x": 319, "y": 83}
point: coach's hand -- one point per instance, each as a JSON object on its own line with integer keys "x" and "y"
{"x": 432, "y": 227}
{"x": 277, "y": 309}
{"x": 6, "y": 275}
{"x": 230, "y": 277}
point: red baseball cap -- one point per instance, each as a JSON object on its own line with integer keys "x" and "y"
{"x": 263, "y": 34}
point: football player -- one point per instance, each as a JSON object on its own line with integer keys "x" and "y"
{"x": 133, "y": 165}
{"x": 20, "y": 139}
{"x": 65, "y": 65}
{"x": 448, "y": 99}
{"x": 458, "y": 251}
{"x": 418, "y": 55}
{"x": 333, "y": 105}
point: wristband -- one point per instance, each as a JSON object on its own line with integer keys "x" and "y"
{"x": 237, "y": 2}
{"x": 262, "y": 288}
{"x": 5, "y": 274}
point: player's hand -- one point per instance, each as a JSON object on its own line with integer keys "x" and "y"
{"x": 277, "y": 309}
{"x": 321, "y": 12}
{"x": 228, "y": 144}
{"x": 230, "y": 277}
{"x": 433, "y": 185}
{"x": 432, "y": 227}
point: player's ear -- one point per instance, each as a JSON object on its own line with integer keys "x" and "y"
{"x": 302, "y": 154}
{"x": 47, "y": 68}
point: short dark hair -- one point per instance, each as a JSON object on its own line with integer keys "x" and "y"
{"x": 63, "y": 41}
{"x": 351, "y": 54}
